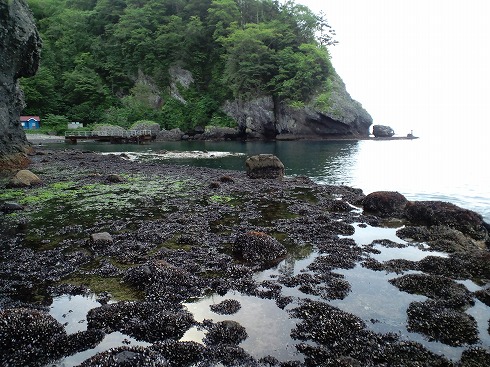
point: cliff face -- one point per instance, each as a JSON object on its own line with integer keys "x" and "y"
{"x": 20, "y": 48}
{"x": 330, "y": 114}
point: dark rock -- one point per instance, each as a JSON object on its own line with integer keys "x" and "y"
{"x": 439, "y": 238}
{"x": 475, "y": 357}
{"x": 264, "y": 166}
{"x": 258, "y": 247}
{"x": 29, "y": 336}
{"x": 225, "y": 332}
{"x": 9, "y": 207}
{"x": 34, "y": 338}
{"x": 483, "y": 295}
{"x": 460, "y": 265}
{"x": 126, "y": 357}
{"x": 385, "y": 203}
{"x": 181, "y": 353}
{"x": 382, "y": 131}
{"x": 447, "y": 325}
{"x": 226, "y": 307}
{"x": 431, "y": 213}
{"x": 20, "y": 56}
{"x": 114, "y": 178}
{"x": 148, "y": 321}
{"x": 437, "y": 287}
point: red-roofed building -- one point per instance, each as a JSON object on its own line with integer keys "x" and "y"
{"x": 30, "y": 122}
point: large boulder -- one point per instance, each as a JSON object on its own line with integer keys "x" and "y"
{"x": 385, "y": 203}
{"x": 24, "y": 178}
{"x": 20, "y": 50}
{"x": 382, "y": 131}
{"x": 439, "y": 213}
{"x": 170, "y": 135}
{"x": 264, "y": 166}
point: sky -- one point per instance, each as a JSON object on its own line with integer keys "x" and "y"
{"x": 416, "y": 65}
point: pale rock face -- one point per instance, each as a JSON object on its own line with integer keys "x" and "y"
{"x": 20, "y": 49}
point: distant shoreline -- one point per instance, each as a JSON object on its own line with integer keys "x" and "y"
{"x": 45, "y": 138}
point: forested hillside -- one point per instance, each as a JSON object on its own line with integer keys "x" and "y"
{"x": 108, "y": 61}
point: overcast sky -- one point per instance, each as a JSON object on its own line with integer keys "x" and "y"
{"x": 414, "y": 64}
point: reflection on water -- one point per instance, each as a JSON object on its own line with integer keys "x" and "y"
{"x": 268, "y": 327}
{"x": 372, "y": 298}
{"x": 71, "y": 311}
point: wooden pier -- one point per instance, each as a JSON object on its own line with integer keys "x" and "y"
{"x": 114, "y": 137}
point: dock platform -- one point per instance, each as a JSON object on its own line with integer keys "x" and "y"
{"x": 114, "y": 137}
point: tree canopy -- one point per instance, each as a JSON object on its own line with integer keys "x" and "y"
{"x": 108, "y": 61}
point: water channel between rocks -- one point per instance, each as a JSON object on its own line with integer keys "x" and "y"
{"x": 372, "y": 298}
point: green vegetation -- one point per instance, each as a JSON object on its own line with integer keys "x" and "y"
{"x": 108, "y": 61}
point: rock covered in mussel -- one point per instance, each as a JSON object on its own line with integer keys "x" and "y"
{"x": 226, "y": 307}
{"x": 431, "y": 213}
{"x": 385, "y": 203}
{"x": 436, "y": 287}
{"x": 127, "y": 356}
{"x": 225, "y": 332}
{"x": 148, "y": 321}
{"x": 442, "y": 323}
{"x": 31, "y": 337}
{"x": 258, "y": 247}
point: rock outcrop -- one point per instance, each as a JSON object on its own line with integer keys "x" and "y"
{"x": 331, "y": 114}
{"x": 20, "y": 48}
{"x": 382, "y": 131}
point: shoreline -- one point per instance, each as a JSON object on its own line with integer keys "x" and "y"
{"x": 124, "y": 229}
{"x": 39, "y": 139}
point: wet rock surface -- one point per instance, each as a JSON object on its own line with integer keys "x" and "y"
{"x": 175, "y": 238}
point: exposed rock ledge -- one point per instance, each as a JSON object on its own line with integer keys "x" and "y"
{"x": 20, "y": 47}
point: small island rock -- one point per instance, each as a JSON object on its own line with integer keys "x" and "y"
{"x": 382, "y": 131}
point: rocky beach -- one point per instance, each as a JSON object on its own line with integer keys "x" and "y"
{"x": 148, "y": 239}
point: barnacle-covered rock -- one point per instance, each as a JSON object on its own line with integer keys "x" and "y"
{"x": 225, "y": 332}
{"x": 127, "y": 357}
{"x": 437, "y": 287}
{"x": 149, "y": 321}
{"x": 33, "y": 338}
{"x": 226, "y": 307}
{"x": 258, "y": 247}
{"x": 447, "y": 325}
{"x": 430, "y": 213}
{"x": 385, "y": 203}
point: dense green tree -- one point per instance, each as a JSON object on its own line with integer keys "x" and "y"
{"x": 96, "y": 52}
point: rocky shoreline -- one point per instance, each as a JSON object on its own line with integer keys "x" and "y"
{"x": 40, "y": 139}
{"x": 146, "y": 237}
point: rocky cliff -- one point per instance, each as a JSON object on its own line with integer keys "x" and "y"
{"x": 20, "y": 47}
{"x": 332, "y": 113}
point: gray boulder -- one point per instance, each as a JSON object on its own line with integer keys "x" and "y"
{"x": 382, "y": 131}
{"x": 170, "y": 135}
{"x": 24, "y": 178}
{"x": 265, "y": 166}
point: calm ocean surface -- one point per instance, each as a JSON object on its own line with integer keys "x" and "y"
{"x": 453, "y": 170}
